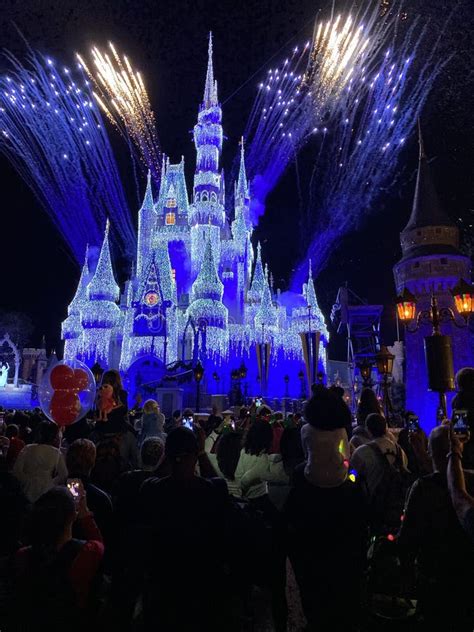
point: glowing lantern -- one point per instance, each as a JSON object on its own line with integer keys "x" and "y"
{"x": 463, "y": 294}
{"x": 406, "y": 305}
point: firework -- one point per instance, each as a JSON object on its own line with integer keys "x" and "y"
{"x": 53, "y": 134}
{"x": 121, "y": 93}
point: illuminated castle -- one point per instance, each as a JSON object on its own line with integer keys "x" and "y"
{"x": 197, "y": 290}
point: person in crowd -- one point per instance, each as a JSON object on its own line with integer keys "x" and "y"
{"x": 113, "y": 378}
{"x": 225, "y": 459}
{"x": 213, "y": 421}
{"x": 338, "y": 391}
{"x": 15, "y": 446}
{"x": 431, "y": 534}
{"x": 24, "y": 423}
{"x": 126, "y": 491}
{"x": 464, "y": 400}
{"x": 324, "y": 512}
{"x": 183, "y": 513}
{"x": 57, "y": 572}
{"x": 256, "y": 467}
{"x": 292, "y": 455}
{"x": 324, "y": 439}
{"x": 414, "y": 442}
{"x": 380, "y": 467}
{"x": 366, "y": 459}
{"x": 175, "y": 421}
{"x": 152, "y": 423}
{"x": 462, "y": 495}
{"x": 40, "y": 466}
{"x": 127, "y": 576}
{"x": 368, "y": 404}
{"x": 80, "y": 461}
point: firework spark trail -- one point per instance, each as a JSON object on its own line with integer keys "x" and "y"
{"x": 122, "y": 95}
{"x": 54, "y": 136}
{"x": 363, "y": 148}
{"x": 276, "y": 126}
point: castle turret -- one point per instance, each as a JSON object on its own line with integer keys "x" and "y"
{"x": 101, "y": 314}
{"x": 206, "y": 310}
{"x": 71, "y": 327}
{"x": 258, "y": 280}
{"x": 146, "y": 226}
{"x": 431, "y": 263}
{"x": 208, "y": 204}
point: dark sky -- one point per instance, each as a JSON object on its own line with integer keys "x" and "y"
{"x": 167, "y": 41}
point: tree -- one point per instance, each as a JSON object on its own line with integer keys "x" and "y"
{"x": 18, "y": 325}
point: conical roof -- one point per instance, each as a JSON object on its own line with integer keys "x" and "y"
{"x": 103, "y": 285}
{"x": 207, "y": 284}
{"x": 427, "y": 209}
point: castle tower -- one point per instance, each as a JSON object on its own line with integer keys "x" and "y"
{"x": 100, "y": 315}
{"x": 431, "y": 262}
{"x": 71, "y": 328}
{"x": 207, "y": 310}
{"x": 208, "y": 203}
{"x": 146, "y": 225}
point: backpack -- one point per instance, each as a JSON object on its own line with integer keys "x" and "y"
{"x": 51, "y": 602}
{"x": 388, "y": 499}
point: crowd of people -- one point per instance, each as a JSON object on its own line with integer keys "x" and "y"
{"x": 257, "y": 521}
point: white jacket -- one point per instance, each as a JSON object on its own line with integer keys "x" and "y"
{"x": 254, "y": 472}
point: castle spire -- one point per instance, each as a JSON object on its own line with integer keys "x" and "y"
{"x": 311, "y": 299}
{"x": 103, "y": 285}
{"x": 258, "y": 280}
{"x": 207, "y": 284}
{"x": 148, "y": 197}
{"x": 242, "y": 186}
{"x": 210, "y": 88}
{"x": 427, "y": 209}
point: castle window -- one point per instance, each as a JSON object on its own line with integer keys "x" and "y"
{"x": 173, "y": 273}
{"x": 170, "y": 203}
{"x": 170, "y": 219}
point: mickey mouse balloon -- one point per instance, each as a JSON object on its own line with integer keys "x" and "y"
{"x": 67, "y": 392}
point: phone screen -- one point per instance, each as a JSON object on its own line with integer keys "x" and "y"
{"x": 188, "y": 423}
{"x": 460, "y": 425}
{"x": 413, "y": 423}
{"x": 73, "y": 486}
{"x": 258, "y": 402}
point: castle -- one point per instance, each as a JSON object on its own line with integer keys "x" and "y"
{"x": 197, "y": 291}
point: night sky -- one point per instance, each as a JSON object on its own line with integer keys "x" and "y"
{"x": 167, "y": 41}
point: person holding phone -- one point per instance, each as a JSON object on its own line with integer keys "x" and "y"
{"x": 464, "y": 400}
{"x": 57, "y": 571}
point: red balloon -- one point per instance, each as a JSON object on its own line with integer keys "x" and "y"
{"x": 81, "y": 380}
{"x": 62, "y": 376}
{"x": 65, "y": 407}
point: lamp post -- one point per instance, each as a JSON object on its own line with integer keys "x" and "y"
{"x": 302, "y": 380}
{"x": 384, "y": 361}
{"x": 438, "y": 347}
{"x": 243, "y": 375}
{"x": 198, "y": 373}
{"x": 365, "y": 370}
{"x": 216, "y": 378}
{"x": 97, "y": 372}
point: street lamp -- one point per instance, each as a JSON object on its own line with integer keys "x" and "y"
{"x": 198, "y": 373}
{"x": 384, "y": 361}
{"x": 302, "y": 380}
{"x": 97, "y": 372}
{"x": 438, "y": 347}
{"x": 365, "y": 370}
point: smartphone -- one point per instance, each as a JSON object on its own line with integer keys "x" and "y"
{"x": 188, "y": 423}
{"x": 413, "y": 423}
{"x": 460, "y": 425}
{"x": 74, "y": 486}
{"x": 258, "y": 402}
